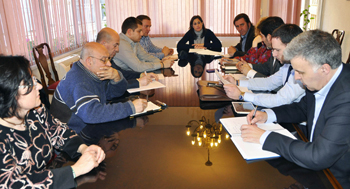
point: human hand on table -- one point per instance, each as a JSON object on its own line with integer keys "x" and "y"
{"x": 199, "y": 46}
{"x": 259, "y": 117}
{"x": 231, "y": 50}
{"x": 168, "y": 63}
{"x": 243, "y": 67}
{"x": 230, "y": 79}
{"x": 140, "y": 105}
{"x": 251, "y": 133}
{"x": 144, "y": 80}
{"x": 166, "y": 51}
{"x": 91, "y": 157}
{"x": 232, "y": 91}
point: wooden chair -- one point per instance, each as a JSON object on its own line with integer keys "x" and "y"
{"x": 42, "y": 64}
{"x": 338, "y": 35}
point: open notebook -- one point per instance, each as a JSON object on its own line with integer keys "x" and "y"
{"x": 251, "y": 151}
{"x": 151, "y": 107}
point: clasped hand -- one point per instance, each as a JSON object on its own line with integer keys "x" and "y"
{"x": 231, "y": 50}
{"x": 243, "y": 67}
{"x": 108, "y": 73}
{"x": 166, "y": 51}
{"x": 199, "y": 46}
{"x": 91, "y": 157}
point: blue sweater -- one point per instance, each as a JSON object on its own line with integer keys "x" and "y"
{"x": 81, "y": 98}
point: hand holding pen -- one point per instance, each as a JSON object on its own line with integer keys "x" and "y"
{"x": 256, "y": 107}
{"x": 256, "y": 117}
{"x": 251, "y": 132}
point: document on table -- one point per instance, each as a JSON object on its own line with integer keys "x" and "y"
{"x": 251, "y": 151}
{"x": 224, "y": 81}
{"x": 239, "y": 76}
{"x": 205, "y": 52}
{"x": 160, "y": 76}
{"x": 152, "y": 85}
{"x": 150, "y": 107}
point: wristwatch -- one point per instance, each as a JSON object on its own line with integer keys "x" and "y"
{"x": 241, "y": 96}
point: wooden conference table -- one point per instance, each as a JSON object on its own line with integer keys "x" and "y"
{"x": 159, "y": 154}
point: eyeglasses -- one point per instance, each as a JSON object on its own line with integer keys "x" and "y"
{"x": 34, "y": 83}
{"x": 103, "y": 60}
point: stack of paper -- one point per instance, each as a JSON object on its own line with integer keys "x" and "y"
{"x": 160, "y": 76}
{"x": 205, "y": 52}
{"x": 152, "y": 85}
{"x": 251, "y": 151}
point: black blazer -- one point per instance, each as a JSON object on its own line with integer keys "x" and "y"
{"x": 210, "y": 41}
{"x": 248, "y": 43}
{"x": 331, "y": 139}
{"x": 130, "y": 76}
{"x": 268, "y": 68}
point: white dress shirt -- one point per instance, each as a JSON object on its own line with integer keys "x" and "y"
{"x": 292, "y": 91}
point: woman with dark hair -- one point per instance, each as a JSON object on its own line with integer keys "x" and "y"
{"x": 198, "y": 37}
{"x": 29, "y": 134}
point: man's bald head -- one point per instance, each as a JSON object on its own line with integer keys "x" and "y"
{"x": 110, "y": 39}
{"x": 94, "y": 56}
{"x": 92, "y": 48}
{"x": 106, "y": 34}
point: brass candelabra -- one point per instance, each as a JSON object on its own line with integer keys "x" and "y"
{"x": 205, "y": 134}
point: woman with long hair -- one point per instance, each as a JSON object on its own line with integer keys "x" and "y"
{"x": 198, "y": 37}
{"x": 29, "y": 134}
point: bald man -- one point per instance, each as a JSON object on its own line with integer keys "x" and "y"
{"x": 109, "y": 38}
{"x": 81, "y": 97}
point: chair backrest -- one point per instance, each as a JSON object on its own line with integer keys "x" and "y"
{"x": 42, "y": 64}
{"x": 338, "y": 35}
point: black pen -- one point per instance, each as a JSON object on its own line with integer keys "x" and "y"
{"x": 256, "y": 107}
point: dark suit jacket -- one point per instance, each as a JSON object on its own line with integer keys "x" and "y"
{"x": 268, "y": 68}
{"x": 248, "y": 43}
{"x": 210, "y": 41}
{"x": 330, "y": 147}
{"x": 130, "y": 76}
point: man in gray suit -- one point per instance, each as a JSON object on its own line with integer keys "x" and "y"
{"x": 316, "y": 58}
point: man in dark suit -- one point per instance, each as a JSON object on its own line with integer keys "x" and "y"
{"x": 272, "y": 65}
{"x": 247, "y": 32}
{"x": 316, "y": 58}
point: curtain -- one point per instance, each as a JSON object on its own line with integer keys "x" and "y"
{"x": 63, "y": 24}
{"x": 172, "y": 18}
{"x": 288, "y": 10}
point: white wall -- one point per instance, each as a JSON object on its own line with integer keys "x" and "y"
{"x": 336, "y": 15}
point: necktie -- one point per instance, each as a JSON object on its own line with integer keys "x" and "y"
{"x": 288, "y": 74}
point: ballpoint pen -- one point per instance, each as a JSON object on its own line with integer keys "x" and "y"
{"x": 256, "y": 107}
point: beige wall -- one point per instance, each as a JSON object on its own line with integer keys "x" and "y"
{"x": 336, "y": 15}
